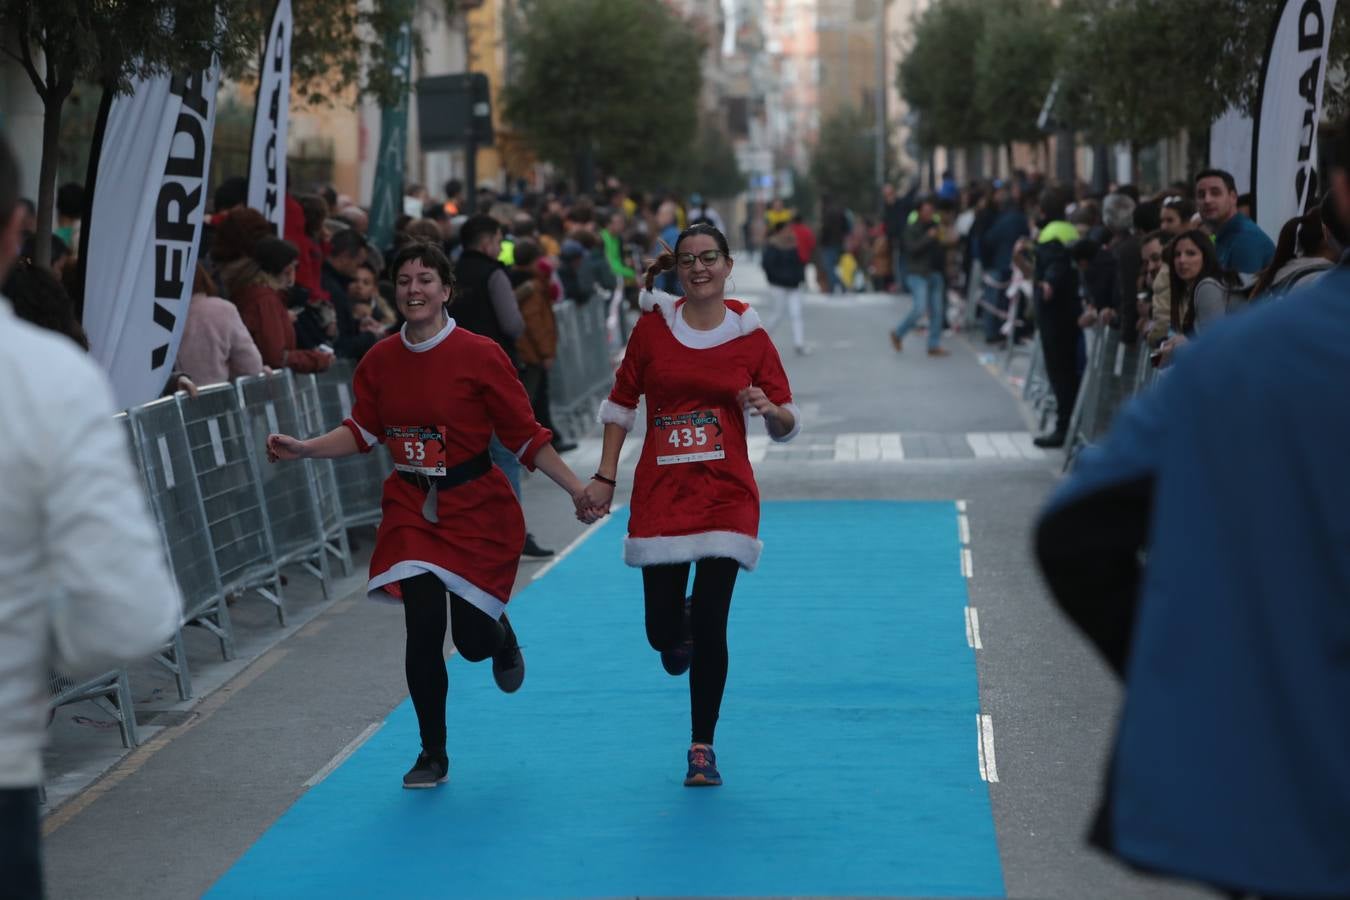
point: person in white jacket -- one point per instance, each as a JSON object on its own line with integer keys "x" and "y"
{"x": 84, "y": 585}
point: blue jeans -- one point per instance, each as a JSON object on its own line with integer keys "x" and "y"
{"x": 829, "y": 258}
{"x": 899, "y": 268}
{"x": 929, "y": 292}
{"x": 507, "y": 462}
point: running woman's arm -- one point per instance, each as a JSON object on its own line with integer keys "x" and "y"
{"x": 336, "y": 443}
{"x": 551, "y": 464}
{"x": 599, "y": 494}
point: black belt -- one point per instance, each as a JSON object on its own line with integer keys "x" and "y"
{"x": 474, "y": 467}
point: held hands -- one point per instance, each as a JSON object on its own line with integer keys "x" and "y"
{"x": 284, "y": 447}
{"x": 592, "y": 501}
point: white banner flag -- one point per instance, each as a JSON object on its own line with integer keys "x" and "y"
{"x": 1285, "y": 134}
{"x": 267, "y": 160}
{"x": 1230, "y": 147}
{"x": 145, "y": 227}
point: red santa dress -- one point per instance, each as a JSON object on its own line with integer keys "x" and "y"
{"x": 435, "y": 405}
{"x": 694, "y": 493}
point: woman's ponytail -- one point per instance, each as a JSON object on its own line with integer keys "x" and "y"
{"x": 663, "y": 263}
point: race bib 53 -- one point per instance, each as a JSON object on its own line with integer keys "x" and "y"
{"x": 688, "y": 438}
{"x": 417, "y": 448}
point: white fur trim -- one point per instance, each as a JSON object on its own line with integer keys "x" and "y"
{"x": 612, "y": 413}
{"x": 430, "y": 342}
{"x": 796, "y": 424}
{"x": 682, "y": 548}
{"x": 366, "y": 436}
{"x": 650, "y": 300}
{"x": 411, "y": 568}
{"x": 736, "y": 324}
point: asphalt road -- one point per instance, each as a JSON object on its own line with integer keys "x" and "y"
{"x": 169, "y": 818}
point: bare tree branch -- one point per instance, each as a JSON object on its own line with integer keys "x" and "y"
{"x": 29, "y": 66}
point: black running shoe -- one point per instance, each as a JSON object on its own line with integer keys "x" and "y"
{"x": 677, "y": 659}
{"x": 702, "y": 767}
{"x": 508, "y": 665}
{"x": 427, "y": 772}
{"x": 534, "y": 550}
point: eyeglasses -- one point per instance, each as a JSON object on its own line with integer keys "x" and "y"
{"x": 709, "y": 258}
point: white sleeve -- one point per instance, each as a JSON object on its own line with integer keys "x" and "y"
{"x": 114, "y": 599}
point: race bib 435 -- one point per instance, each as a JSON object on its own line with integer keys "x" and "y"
{"x": 688, "y": 438}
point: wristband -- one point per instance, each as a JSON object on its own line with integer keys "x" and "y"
{"x": 609, "y": 481}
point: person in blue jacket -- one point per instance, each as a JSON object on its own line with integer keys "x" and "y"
{"x": 1231, "y": 764}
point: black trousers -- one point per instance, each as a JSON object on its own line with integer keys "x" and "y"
{"x": 535, "y": 379}
{"x": 664, "y": 588}
{"x": 20, "y": 854}
{"x": 1059, "y": 345}
{"x": 476, "y": 634}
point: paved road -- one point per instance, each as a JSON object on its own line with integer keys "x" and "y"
{"x": 172, "y": 817}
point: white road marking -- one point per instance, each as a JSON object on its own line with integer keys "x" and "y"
{"x": 973, "y": 628}
{"x": 981, "y": 445}
{"x": 1024, "y": 443}
{"x": 846, "y": 448}
{"x": 984, "y": 736}
{"x": 1003, "y": 443}
{"x": 562, "y": 554}
{"x": 963, "y": 528}
{"x": 342, "y": 754}
{"x": 967, "y": 563}
{"x": 960, "y": 506}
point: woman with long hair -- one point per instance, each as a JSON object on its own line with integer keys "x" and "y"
{"x": 705, "y": 366}
{"x": 1302, "y": 253}
{"x": 1200, "y": 288}
{"x": 434, "y": 395}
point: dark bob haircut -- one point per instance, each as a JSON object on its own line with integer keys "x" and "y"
{"x": 429, "y": 255}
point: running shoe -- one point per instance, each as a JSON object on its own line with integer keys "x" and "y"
{"x": 428, "y": 771}
{"x": 508, "y": 665}
{"x": 676, "y": 660}
{"x": 702, "y": 767}
{"x": 533, "y": 550}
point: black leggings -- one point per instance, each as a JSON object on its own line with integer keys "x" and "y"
{"x": 664, "y": 589}
{"x": 476, "y": 634}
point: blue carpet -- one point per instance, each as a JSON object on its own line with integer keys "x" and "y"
{"x": 847, "y": 742}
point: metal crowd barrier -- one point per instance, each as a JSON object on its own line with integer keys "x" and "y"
{"x": 360, "y": 478}
{"x": 582, "y": 374}
{"x": 165, "y": 463}
{"x": 1114, "y": 372}
{"x": 291, "y": 502}
{"x": 218, "y": 508}
{"x": 324, "y": 475}
{"x": 238, "y": 529}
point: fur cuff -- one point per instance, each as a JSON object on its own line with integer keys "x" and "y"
{"x": 681, "y": 548}
{"x": 612, "y": 413}
{"x": 796, "y": 424}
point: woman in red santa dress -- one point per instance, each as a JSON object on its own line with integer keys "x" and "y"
{"x": 434, "y": 394}
{"x": 702, "y": 362}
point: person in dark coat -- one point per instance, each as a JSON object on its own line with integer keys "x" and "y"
{"x": 1233, "y": 639}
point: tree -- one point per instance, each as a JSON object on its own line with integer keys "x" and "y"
{"x": 338, "y": 44}
{"x": 59, "y": 42}
{"x": 1014, "y": 68}
{"x": 710, "y": 167}
{"x": 1101, "y": 92}
{"x": 112, "y": 43}
{"x": 613, "y": 83}
{"x": 931, "y": 76}
{"x": 844, "y": 160}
